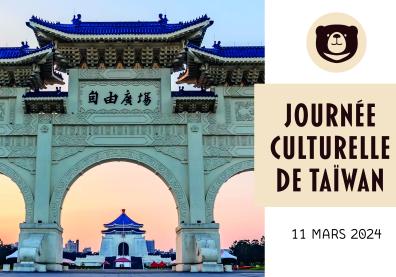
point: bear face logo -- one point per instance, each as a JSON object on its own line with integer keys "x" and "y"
{"x": 336, "y": 43}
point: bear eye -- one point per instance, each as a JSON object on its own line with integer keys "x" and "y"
{"x": 328, "y": 35}
{"x": 345, "y": 35}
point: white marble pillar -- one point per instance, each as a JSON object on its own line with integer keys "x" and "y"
{"x": 196, "y": 181}
{"x": 42, "y": 187}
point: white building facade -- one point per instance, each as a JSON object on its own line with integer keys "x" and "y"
{"x": 123, "y": 238}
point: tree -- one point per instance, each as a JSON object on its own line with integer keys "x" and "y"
{"x": 249, "y": 252}
{"x": 5, "y": 250}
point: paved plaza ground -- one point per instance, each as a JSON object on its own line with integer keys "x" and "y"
{"x": 134, "y": 273}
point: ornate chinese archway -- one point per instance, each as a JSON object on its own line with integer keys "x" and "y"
{"x": 119, "y": 106}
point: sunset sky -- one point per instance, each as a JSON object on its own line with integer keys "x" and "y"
{"x": 98, "y": 196}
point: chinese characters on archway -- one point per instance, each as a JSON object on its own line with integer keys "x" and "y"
{"x": 127, "y": 99}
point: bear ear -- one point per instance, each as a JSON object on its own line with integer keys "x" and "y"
{"x": 353, "y": 29}
{"x": 319, "y": 29}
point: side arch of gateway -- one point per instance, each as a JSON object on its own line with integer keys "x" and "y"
{"x": 119, "y": 106}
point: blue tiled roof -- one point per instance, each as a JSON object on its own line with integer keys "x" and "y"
{"x": 18, "y": 52}
{"x": 113, "y": 28}
{"x": 193, "y": 93}
{"x": 40, "y": 94}
{"x": 123, "y": 220}
{"x": 233, "y": 51}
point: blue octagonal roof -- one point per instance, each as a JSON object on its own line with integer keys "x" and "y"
{"x": 123, "y": 220}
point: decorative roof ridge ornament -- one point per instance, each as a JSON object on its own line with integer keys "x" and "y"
{"x": 24, "y": 45}
{"x": 76, "y": 20}
{"x": 217, "y": 45}
{"x": 162, "y": 18}
{"x": 39, "y": 19}
{"x": 58, "y": 90}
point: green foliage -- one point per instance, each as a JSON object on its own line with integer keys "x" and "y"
{"x": 249, "y": 252}
{"x": 258, "y": 268}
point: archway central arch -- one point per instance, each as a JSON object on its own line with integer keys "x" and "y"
{"x": 129, "y": 155}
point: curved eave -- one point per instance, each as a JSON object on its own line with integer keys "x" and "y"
{"x": 123, "y": 225}
{"x": 27, "y": 58}
{"x": 233, "y": 60}
{"x": 186, "y": 78}
{"x": 55, "y": 80}
{"x": 50, "y": 32}
{"x": 120, "y": 232}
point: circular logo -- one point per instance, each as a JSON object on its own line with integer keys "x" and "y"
{"x": 336, "y": 42}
